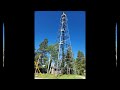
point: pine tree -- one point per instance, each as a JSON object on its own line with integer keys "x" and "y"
{"x": 80, "y": 63}
{"x": 43, "y": 51}
{"x": 69, "y": 60}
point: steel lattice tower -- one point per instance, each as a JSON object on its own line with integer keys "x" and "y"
{"x": 63, "y": 40}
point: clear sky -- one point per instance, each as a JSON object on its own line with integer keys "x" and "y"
{"x": 47, "y": 24}
{"x": 116, "y": 34}
{"x": 3, "y": 35}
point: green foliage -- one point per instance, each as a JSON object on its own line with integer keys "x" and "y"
{"x": 36, "y": 57}
{"x": 67, "y": 63}
{"x": 52, "y": 50}
{"x": 80, "y": 55}
{"x": 45, "y": 59}
{"x": 80, "y": 63}
{"x": 43, "y": 51}
{"x": 44, "y": 45}
{"x": 74, "y": 66}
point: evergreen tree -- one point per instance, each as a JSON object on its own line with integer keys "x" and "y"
{"x": 80, "y": 63}
{"x": 69, "y": 61}
{"x": 43, "y": 51}
{"x": 52, "y": 49}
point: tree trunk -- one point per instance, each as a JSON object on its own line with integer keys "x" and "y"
{"x": 49, "y": 64}
{"x": 67, "y": 69}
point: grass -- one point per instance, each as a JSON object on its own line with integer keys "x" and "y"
{"x": 51, "y": 76}
{"x": 69, "y": 77}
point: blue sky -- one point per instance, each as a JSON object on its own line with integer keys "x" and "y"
{"x": 116, "y": 34}
{"x": 47, "y": 24}
{"x": 3, "y": 35}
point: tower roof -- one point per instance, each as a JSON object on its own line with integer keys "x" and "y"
{"x": 63, "y": 13}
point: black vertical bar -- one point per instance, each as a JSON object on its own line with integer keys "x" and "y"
{"x": 1, "y": 46}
